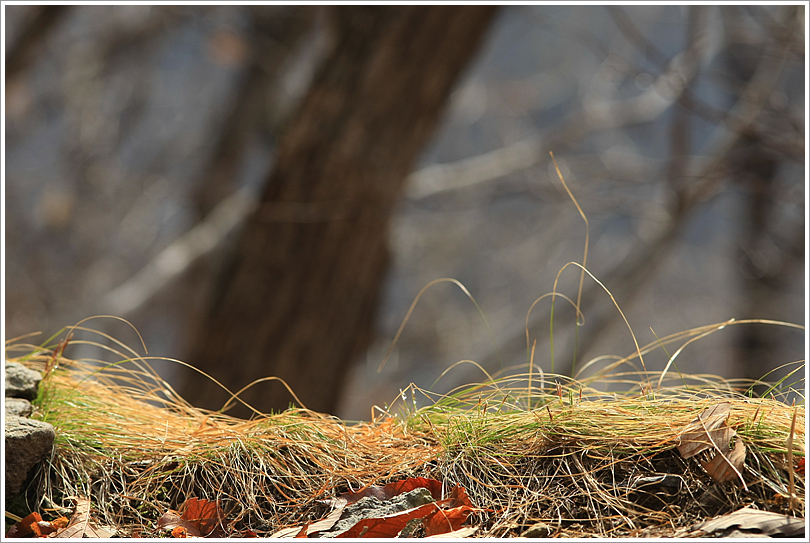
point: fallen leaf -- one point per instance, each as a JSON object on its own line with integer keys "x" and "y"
{"x": 706, "y": 429}
{"x": 82, "y": 525}
{"x": 458, "y": 496}
{"x": 42, "y": 528}
{"x": 61, "y": 522}
{"x": 204, "y": 514}
{"x": 727, "y": 466}
{"x": 23, "y": 527}
{"x": 447, "y": 520}
{"x": 324, "y": 524}
{"x": 169, "y": 520}
{"x": 33, "y": 524}
{"x": 328, "y": 521}
{"x": 437, "y": 518}
{"x": 762, "y": 523}
{"x": 199, "y": 517}
{"x": 442, "y": 516}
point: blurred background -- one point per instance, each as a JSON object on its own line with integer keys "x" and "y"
{"x": 142, "y": 142}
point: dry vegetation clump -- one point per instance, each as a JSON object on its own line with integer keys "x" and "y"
{"x": 528, "y": 449}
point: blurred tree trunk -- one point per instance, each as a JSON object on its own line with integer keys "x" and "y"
{"x": 277, "y": 31}
{"x": 21, "y": 52}
{"x": 767, "y": 247}
{"x": 298, "y": 299}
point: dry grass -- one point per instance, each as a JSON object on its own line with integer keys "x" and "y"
{"x": 531, "y": 448}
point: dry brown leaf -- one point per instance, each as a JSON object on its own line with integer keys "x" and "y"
{"x": 728, "y": 465}
{"x": 762, "y": 523}
{"x": 81, "y": 525}
{"x": 326, "y": 523}
{"x": 706, "y": 430}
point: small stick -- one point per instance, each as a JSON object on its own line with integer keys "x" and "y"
{"x": 53, "y": 363}
{"x": 793, "y": 503}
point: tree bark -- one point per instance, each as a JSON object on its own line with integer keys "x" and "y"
{"x": 299, "y": 297}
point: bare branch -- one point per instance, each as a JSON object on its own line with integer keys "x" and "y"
{"x": 645, "y": 107}
{"x": 175, "y": 259}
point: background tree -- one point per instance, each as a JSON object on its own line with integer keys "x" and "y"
{"x": 299, "y": 298}
{"x": 138, "y": 140}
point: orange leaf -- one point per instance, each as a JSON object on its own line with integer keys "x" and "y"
{"x": 23, "y": 528}
{"x": 199, "y": 517}
{"x": 401, "y": 487}
{"x": 443, "y": 521}
{"x": 179, "y": 532}
{"x": 458, "y": 496}
{"x": 42, "y": 528}
{"x": 205, "y": 515}
{"x": 457, "y": 506}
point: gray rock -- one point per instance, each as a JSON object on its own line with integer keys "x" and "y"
{"x": 27, "y": 443}
{"x": 21, "y": 382}
{"x": 371, "y": 507}
{"x": 539, "y": 530}
{"x": 18, "y": 407}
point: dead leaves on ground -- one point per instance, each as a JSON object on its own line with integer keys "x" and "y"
{"x": 432, "y": 515}
{"x": 80, "y": 525}
{"x": 440, "y": 516}
{"x": 33, "y": 526}
{"x": 710, "y": 432}
{"x": 196, "y": 518}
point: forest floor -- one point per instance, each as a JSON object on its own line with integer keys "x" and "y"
{"x": 533, "y": 455}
